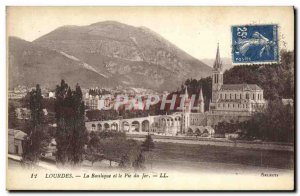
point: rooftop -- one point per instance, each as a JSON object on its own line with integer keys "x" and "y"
{"x": 20, "y": 135}
{"x": 241, "y": 87}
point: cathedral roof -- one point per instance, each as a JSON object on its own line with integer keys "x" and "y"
{"x": 240, "y": 87}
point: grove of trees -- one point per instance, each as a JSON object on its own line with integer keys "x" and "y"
{"x": 115, "y": 147}
{"x": 71, "y": 134}
{"x": 33, "y": 144}
{"x": 277, "y": 80}
{"x": 276, "y": 123}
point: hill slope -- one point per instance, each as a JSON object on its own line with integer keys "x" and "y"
{"x": 30, "y": 64}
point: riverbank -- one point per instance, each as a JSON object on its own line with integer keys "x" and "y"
{"x": 218, "y": 142}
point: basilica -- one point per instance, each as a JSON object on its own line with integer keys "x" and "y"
{"x": 239, "y": 99}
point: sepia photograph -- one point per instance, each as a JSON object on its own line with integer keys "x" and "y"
{"x": 150, "y": 98}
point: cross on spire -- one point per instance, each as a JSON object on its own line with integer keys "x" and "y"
{"x": 218, "y": 63}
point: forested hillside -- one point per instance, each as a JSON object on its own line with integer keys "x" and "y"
{"x": 277, "y": 80}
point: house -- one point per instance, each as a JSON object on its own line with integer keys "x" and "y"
{"x": 23, "y": 113}
{"x": 15, "y": 141}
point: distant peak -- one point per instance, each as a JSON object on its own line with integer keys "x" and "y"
{"x": 109, "y": 22}
{"x": 67, "y": 27}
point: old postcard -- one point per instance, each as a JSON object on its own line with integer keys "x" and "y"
{"x": 150, "y": 98}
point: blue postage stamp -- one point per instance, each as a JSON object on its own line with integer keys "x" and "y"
{"x": 254, "y": 44}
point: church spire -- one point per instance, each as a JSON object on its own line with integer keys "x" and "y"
{"x": 200, "y": 102}
{"x": 218, "y": 63}
{"x": 186, "y": 96}
{"x": 200, "y": 94}
{"x": 187, "y": 101}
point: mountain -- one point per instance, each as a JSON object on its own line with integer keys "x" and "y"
{"x": 227, "y": 63}
{"x": 30, "y": 64}
{"x": 112, "y": 54}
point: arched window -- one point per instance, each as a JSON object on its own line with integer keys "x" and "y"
{"x": 247, "y": 96}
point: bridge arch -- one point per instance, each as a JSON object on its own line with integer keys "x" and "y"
{"x": 145, "y": 126}
{"x": 99, "y": 127}
{"x": 135, "y": 126}
{"x": 190, "y": 131}
{"x": 106, "y": 126}
{"x": 163, "y": 122}
{"x": 114, "y": 126}
{"x": 198, "y": 132}
{"x": 125, "y": 126}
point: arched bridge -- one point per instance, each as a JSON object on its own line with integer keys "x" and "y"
{"x": 164, "y": 123}
{"x": 127, "y": 125}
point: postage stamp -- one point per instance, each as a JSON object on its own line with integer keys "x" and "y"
{"x": 254, "y": 44}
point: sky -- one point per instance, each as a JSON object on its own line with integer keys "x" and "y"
{"x": 196, "y": 30}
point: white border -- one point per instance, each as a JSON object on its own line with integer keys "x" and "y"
{"x": 4, "y": 3}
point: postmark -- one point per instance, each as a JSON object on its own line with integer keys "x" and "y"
{"x": 255, "y": 44}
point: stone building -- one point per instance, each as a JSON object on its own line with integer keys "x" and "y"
{"x": 234, "y": 99}
{"x": 15, "y": 141}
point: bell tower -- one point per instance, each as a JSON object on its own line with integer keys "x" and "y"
{"x": 217, "y": 77}
{"x": 185, "y": 123}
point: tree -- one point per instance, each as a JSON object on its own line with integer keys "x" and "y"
{"x": 148, "y": 144}
{"x": 71, "y": 134}
{"x": 277, "y": 80}
{"x": 32, "y": 144}
{"x": 93, "y": 152}
{"x": 12, "y": 116}
{"x": 125, "y": 161}
{"x": 139, "y": 162}
{"x": 147, "y": 147}
{"x": 276, "y": 123}
{"x": 113, "y": 149}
